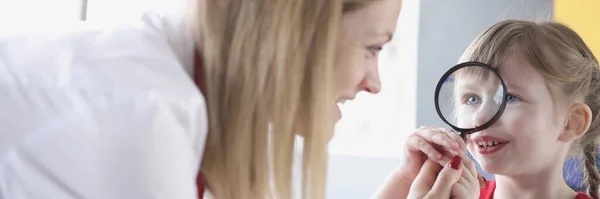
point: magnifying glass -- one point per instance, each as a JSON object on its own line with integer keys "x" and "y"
{"x": 470, "y": 97}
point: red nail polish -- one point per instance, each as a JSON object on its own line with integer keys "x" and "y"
{"x": 455, "y": 162}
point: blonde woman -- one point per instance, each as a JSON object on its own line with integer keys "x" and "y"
{"x": 112, "y": 112}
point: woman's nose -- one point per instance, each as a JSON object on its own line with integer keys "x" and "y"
{"x": 372, "y": 82}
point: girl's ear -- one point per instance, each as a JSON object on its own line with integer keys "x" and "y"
{"x": 578, "y": 122}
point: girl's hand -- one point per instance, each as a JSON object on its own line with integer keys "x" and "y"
{"x": 470, "y": 182}
{"x": 436, "y": 144}
{"x": 431, "y": 144}
{"x": 456, "y": 180}
{"x": 435, "y": 181}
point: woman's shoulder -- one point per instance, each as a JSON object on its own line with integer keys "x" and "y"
{"x": 61, "y": 72}
{"x": 177, "y": 30}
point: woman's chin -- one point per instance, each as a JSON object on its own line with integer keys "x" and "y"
{"x": 337, "y": 113}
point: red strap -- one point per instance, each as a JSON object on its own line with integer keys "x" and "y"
{"x": 199, "y": 79}
{"x": 581, "y": 195}
{"x": 488, "y": 191}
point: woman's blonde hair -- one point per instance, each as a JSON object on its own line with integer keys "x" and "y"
{"x": 567, "y": 64}
{"x": 268, "y": 70}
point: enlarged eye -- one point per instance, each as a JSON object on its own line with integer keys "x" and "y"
{"x": 472, "y": 100}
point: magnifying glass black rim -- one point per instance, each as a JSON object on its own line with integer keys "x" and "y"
{"x": 488, "y": 123}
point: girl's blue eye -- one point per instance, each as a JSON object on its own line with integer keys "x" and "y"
{"x": 472, "y": 100}
{"x": 511, "y": 98}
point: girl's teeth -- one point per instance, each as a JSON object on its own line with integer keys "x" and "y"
{"x": 486, "y": 144}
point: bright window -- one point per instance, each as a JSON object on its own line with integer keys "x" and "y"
{"x": 17, "y": 14}
{"x": 119, "y": 10}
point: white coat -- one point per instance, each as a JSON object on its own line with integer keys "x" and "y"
{"x": 100, "y": 112}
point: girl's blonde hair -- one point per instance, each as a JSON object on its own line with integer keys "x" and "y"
{"x": 268, "y": 70}
{"x": 566, "y": 62}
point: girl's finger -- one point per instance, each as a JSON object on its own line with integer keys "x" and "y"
{"x": 416, "y": 144}
{"x": 436, "y": 136}
{"x": 456, "y": 137}
{"x": 472, "y": 168}
{"x": 482, "y": 181}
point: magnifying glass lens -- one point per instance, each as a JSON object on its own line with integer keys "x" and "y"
{"x": 470, "y": 97}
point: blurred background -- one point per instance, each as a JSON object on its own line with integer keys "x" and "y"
{"x": 430, "y": 37}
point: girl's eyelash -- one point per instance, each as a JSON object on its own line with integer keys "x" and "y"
{"x": 515, "y": 96}
{"x": 465, "y": 98}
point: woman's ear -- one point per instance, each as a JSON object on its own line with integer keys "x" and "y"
{"x": 578, "y": 122}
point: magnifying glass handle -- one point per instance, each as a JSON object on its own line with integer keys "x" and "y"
{"x": 463, "y": 135}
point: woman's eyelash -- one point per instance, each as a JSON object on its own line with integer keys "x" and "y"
{"x": 375, "y": 48}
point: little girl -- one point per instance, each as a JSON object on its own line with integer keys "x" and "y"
{"x": 554, "y": 85}
{"x": 553, "y": 103}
